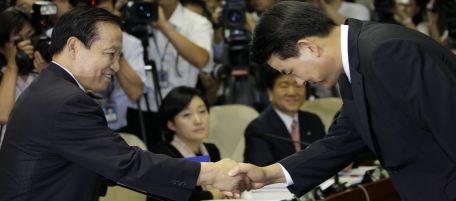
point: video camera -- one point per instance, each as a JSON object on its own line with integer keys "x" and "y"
{"x": 236, "y": 35}
{"x": 40, "y": 43}
{"x": 137, "y": 15}
{"x": 41, "y": 16}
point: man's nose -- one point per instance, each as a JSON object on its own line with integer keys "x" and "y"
{"x": 115, "y": 65}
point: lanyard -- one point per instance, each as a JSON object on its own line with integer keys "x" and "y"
{"x": 162, "y": 56}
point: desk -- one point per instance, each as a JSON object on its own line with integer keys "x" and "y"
{"x": 273, "y": 192}
{"x": 381, "y": 190}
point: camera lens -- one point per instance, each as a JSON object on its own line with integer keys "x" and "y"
{"x": 234, "y": 16}
{"x": 144, "y": 11}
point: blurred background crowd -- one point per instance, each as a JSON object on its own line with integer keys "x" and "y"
{"x": 182, "y": 57}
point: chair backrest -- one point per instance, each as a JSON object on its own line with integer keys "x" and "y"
{"x": 226, "y": 129}
{"x": 325, "y": 108}
{"x": 116, "y": 193}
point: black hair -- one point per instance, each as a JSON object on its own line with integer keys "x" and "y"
{"x": 12, "y": 21}
{"x": 418, "y": 18}
{"x": 80, "y": 22}
{"x": 175, "y": 102}
{"x": 281, "y": 26}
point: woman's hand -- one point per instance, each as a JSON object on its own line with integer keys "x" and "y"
{"x": 38, "y": 62}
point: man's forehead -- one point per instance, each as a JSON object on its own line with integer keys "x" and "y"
{"x": 109, "y": 34}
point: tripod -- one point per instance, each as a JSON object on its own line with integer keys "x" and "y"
{"x": 148, "y": 132}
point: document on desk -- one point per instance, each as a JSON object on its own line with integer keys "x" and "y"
{"x": 273, "y": 192}
{"x": 354, "y": 176}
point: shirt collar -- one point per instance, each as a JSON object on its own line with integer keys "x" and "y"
{"x": 287, "y": 120}
{"x": 344, "y": 50}
{"x": 71, "y": 74}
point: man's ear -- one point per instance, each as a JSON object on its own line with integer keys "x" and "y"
{"x": 270, "y": 96}
{"x": 308, "y": 47}
{"x": 73, "y": 46}
{"x": 171, "y": 126}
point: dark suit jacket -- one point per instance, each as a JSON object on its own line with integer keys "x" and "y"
{"x": 170, "y": 150}
{"x": 58, "y": 146}
{"x": 265, "y": 150}
{"x": 401, "y": 103}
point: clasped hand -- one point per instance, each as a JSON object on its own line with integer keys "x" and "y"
{"x": 232, "y": 178}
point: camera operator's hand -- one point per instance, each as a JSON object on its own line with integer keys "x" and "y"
{"x": 26, "y": 46}
{"x": 38, "y": 62}
{"x": 187, "y": 49}
{"x": 162, "y": 21}
{"x": 250, "y": 22}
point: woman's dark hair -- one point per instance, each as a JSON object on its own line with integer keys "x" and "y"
{"x": 80, "y": 22}
{"x": 281, "y": 26}
{"x": 418, "y": 18}
{"x": 12, "y": 21}
{"x": 175, "y": 102}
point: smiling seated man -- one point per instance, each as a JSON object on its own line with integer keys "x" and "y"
{"x": 281, "y": 129}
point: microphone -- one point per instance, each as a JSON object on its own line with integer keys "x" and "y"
{"x": 281, "y": 138}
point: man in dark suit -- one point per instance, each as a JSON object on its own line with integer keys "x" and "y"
{"x": 57, "y": 145}
{"x": 281, "y": 129}
{"x": 399, "y": 92}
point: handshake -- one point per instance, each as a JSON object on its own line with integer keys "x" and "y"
{"x": 232, "y": 178}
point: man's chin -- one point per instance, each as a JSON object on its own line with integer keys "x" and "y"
{"x": 100, "y": 89}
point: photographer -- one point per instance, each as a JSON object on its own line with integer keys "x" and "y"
{"x": 181, "y": 48}
{"x": 15, "y": 34}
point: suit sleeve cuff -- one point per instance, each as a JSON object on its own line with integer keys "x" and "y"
{"x": 287, "y": 176}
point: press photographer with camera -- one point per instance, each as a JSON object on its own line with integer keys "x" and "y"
{"x": 19, "y": 61}
{"x": 128, "y": 84}
{"x": 180, "y": 45}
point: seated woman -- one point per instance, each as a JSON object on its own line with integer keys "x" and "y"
{"x": 185, "y": 123}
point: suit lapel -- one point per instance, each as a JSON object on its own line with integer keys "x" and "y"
{"x": 355, "y": 90}
{"x": 279, "y": 128}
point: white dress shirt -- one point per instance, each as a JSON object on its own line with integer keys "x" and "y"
{"x": 286, "y": 119}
